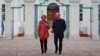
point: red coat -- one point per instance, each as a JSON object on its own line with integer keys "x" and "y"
{"x": 43, "y": 30}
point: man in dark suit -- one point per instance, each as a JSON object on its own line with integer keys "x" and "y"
{"x": 58, "y": 27}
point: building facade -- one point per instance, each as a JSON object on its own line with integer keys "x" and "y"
{"x": 22, "y": 16}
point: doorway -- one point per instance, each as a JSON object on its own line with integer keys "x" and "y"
{"x": 52, "y": 9}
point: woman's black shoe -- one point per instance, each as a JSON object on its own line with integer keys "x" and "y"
{"x": 60, "y": 53}
{"x": 42, "y": 52}
{"x": 45, "y": 51}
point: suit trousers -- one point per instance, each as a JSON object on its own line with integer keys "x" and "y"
{"x": 56, "y": 43}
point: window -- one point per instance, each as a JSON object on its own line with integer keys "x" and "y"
{"x": 3, "y": 19}
{"x": 3, "y": 11}
{"x": 81, "y": 13}
{"x": 99, "y": 17}
{"x": 99, "y": 12}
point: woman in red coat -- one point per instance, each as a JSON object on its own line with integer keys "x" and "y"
{"x": 43, "y": 33}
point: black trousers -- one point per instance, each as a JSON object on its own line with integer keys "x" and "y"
{"x": 56, "y": 43}
{"x": 43, "y": 44}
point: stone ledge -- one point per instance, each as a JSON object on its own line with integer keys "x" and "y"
{"x": 95, "y": 1}
{"x": 74, "y": 1}
{"x": 8, "y": 1}
{"x": 29, "y": 1}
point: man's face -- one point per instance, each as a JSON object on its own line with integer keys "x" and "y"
{"x": 57, "y": 15}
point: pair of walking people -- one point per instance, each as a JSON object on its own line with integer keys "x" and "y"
{"x": 58, "y": 27}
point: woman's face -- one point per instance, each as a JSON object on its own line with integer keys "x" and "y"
{"x": 44, "y": 18}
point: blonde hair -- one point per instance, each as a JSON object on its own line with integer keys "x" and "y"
{"x": 43, "y": 16}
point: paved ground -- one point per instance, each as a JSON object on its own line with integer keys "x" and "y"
{"x": 26, "y": 47}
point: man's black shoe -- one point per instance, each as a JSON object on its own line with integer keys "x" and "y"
{"x": 59, "y": 53}
{"x": 42, "y": 52}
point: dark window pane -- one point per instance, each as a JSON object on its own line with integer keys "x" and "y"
{"x": 99, "y": 15}
{"x": 99, "y": 19}
{"x": 81, "y": 15}
{"x": 99, "y": 6}
{"x": 3, "y": 17}
{"x": 81, "y": 19}
{"x": 99, "y": 10}
{"x": 81, "y": 10}
{"x": 81, "y": 6}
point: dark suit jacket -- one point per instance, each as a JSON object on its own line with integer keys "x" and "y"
{"x": 59, "y": 27}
